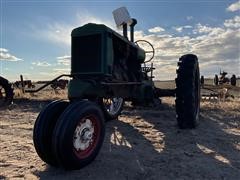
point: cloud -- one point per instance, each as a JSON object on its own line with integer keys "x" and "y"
{"x": 55, "y": 72}
{"x": 189, "y": 18}
{"x": 181, "y": 28}
{"x": 60, "y": 33}
{"x": 6, "y": 56}
{"x": 156, "y": 29}
{"x": 3, "y": 50}
{"x": 61, "y": 70}
{"x": 234, "y": 7}
{"x": 41, "y": 63}
{"x": 64, "y": 60}
{"x": 233, "y": 23}
{"x": 216, "y": 47}
{"x": 178, "y": 29}
{"x": 187, "y": 27}
{"x": 204, "y": 29}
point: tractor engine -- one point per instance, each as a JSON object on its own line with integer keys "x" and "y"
{"x": 110, "y": 60}
{"x": 98, "y": 50}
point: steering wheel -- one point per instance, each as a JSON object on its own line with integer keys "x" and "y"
{"x": 151, "y": 51}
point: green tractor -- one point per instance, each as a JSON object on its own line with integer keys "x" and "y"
{"x": 106, "y": 70}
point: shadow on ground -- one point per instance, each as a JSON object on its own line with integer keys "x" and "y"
{"x": 145, "y": 143}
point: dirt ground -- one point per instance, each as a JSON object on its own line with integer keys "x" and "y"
{"x": 144, "y": 143}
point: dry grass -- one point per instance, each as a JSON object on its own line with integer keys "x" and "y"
{"x": 144, "y": 143}
{"x": 50, "y": 94}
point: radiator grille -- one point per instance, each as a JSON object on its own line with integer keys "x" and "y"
{"x": 86, "y": 54}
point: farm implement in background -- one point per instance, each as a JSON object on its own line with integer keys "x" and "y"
{"x": 223, "y": 79}
{"x": 221, "y": 88}
{"x": 219, "y": 92}
{"x": 27, "y": 86}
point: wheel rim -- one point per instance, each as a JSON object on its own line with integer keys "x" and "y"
{"x": 86, "y": 136}
{"x": 2, "y": 95}
{"x": 113, "y": 105}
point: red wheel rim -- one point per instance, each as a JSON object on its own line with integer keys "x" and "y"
{"x": 85, "y": 139}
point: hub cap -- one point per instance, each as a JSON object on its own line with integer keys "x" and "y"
{"x": 83, "y": 135}
{"x": 86, "y": 136}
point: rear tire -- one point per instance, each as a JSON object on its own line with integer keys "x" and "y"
{"x": 78, "y": 135}
{"x": 43, "y": 130}
{"x": 188, "y": 92}
{"x": 6, "y": 92}
{"x": 216, "y": 80}
{"x": 233, "y": 80}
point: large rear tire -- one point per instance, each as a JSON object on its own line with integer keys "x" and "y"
{"x": 79, "y": 134}
{"x": 6, "y": 92}
{"x": 188, "y": 92}
{"x": 43, "y": 130}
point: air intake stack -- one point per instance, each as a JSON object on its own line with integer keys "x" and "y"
{"x": 123, "y": 19}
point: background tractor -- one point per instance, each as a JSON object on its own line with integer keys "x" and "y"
{"x": 106, "y": 70}
{"x": 223, "y": 79}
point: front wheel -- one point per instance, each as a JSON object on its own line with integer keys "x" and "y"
{"x": 43, "y": 130}
{"x": 188, "y": 92}
{"x": 111, "y": 107}
{"x": 78, "y": 134}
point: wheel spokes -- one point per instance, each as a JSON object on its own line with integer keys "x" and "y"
{"x": 112, "y": 105}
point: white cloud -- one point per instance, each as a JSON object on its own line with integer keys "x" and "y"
{"x": 204, "y": 29}
{"x": 156, "y": 29}
{"x": 41, "y": 63}
{"x": 216, "y": 47}
{"x": 187, "y": 27}
{"x": 233, "y": 23}
{"x": 50, "y": 75}
{"x": 60, "y": 33}
{"x": 6, "y": 56}
{"x": 234, "y": 7}
{"x": 86, "y": 17}
{"x": 178, "y": 29}
{"x": 3, "y": 50}
{"x": 64, "y": 60}
{"x": 181, "y": 28}
{"x": 61, "y": 70}
{"x": 189, "y": 18}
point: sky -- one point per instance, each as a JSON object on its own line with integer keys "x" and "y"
{"x": 35, "y": 35}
